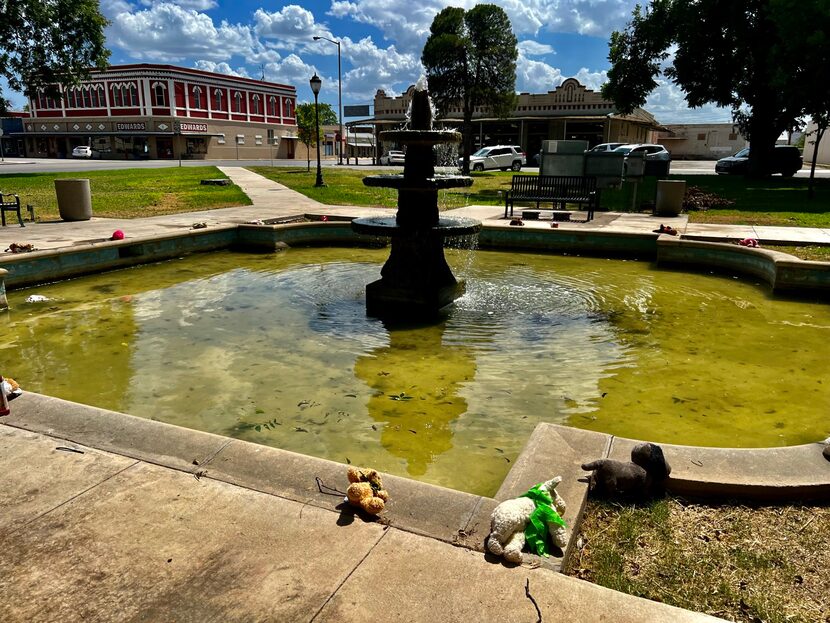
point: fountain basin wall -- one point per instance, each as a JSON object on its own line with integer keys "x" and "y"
{"x": 782, "y": 272}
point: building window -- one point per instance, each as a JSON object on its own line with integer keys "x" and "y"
{"x": 197, "y": 97}
{"x": 272, "y": 106}
{"x": 125, "y": 95}
{"x": 240, "y": 139}
{"x": 133, "y": 95}
{"x": 217, "y": 101}
{"x": 96, "y": 96}
{"x": 255, "y": 104}
{"x": 220, "y": 139}
{"x": 271, "y": 140}
{"x": 237, "y": 102}
{"x": 733, "y": 137}
{"x": 701, "y": 136}
{"x": 287, "y": 108}
{"x": 258, "y": 139}
{"x": 159, "y": 94}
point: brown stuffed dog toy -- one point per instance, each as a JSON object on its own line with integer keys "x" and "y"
{"x": 644, "y": 477}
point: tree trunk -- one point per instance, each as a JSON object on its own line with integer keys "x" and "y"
{"x": 467, "y": 139}
{"x": 811, "y": 191}
{"x": 762, "y": 136}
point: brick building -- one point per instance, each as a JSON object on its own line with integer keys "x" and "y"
{"x": 161, "y": 111}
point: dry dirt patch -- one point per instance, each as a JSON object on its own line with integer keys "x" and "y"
{"x": 737, "y": 562}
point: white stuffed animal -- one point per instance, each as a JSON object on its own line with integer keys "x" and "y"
{"x": 511, "y": 517}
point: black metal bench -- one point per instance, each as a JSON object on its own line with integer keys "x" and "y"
{"x": 6, "y": 205}
{"x": 556, "y": 189}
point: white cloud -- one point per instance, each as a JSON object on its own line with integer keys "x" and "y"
{"x": 667, "y": 103}
{"x": 166, "y": 32}
{"x": 295, "y": 71}
{"x": 111, "y": 8}
{"x": 197, "y": 5}
{"x": 591, "y": 79}
{"x": 405, "y": 23}
{"x": 534, "y": 48}
{"x": 221, "y": 68}
{"x": 292, "y": 27}
{"x": 536, "y": 76}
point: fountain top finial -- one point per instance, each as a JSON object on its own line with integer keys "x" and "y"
{"x": 420, "y": 117}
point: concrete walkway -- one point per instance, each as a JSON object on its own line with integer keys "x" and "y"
{"x": 274, "y": 201}
{"x": 150, "y": 522}
{"x": 107, "y": 517}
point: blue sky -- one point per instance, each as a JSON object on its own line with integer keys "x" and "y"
{"x": 381, "y": 43}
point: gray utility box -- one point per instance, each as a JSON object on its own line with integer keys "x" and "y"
{"x": 635, "y": 165}
{"x": 563, "y": 157}
{"x": 606, "y": 166}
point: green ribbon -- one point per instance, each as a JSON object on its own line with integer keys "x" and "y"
{"x": 536, "y": 532}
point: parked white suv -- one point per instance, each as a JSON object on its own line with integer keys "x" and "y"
{"x": 497, "y": 157}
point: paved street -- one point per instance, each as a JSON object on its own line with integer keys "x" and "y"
{"x": 29, "y": 165}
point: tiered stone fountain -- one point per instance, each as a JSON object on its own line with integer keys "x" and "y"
{"x": 416, "y": 282}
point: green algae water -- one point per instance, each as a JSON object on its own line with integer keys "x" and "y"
{"x": 276, "y": 349}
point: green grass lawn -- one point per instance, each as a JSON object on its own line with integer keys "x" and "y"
{"x": 345, "y": 187}
{"x": 129, "y": 193}
{"x": 774, "y": 201}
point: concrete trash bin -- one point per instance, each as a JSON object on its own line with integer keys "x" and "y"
{"x": 74, "y": 199}
{"x": 670, "y": 195}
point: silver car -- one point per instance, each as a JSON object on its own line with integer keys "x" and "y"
{"x": 652, "y": 152}
{"x": 605, "y": 147}
{"x": 497, "y": 157}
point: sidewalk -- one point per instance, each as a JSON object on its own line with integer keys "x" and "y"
{"x": 272, "y": 200}
{"x": 186, "y": 526}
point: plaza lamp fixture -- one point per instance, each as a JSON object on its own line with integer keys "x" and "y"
{"x": 339, "y": 91}
{"x": 315, "y": 84}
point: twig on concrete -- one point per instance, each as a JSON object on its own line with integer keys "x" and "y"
{"x": 325, "y": 489}
{"x": 533, "y": 601}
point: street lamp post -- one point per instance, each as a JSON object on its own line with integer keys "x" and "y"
{"x": 339, "y": 91}
{"x": 316, "y": 83}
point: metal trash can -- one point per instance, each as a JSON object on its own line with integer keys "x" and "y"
{"x": 74, "y": 199}
{"x": 670, "y": 195}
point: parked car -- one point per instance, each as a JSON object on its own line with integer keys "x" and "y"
{"x": 786, "y": 160}
{"x": 497, "y": 157}
{"x": 82, "y": 151}
{"x": 652, "y": 152}
{"x": 393, "y": 157}
{"x": 655, "y": 155}
{"x": 605, "y": 147}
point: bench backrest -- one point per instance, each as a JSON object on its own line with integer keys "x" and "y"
{"x": 524, "y": 184}
{"x": 553, "y": 185}
{"x": 567, "y": 185}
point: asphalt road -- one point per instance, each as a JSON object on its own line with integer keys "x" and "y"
{"x": 46, "y": 165}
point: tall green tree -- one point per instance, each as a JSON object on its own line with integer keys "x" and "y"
{"x": 807, "y": 50}
{"x": 46, "y": 43}
{"x": 470, "y": 60}
{"x": 308, "y": 130}
{"x": 732, "y": 53}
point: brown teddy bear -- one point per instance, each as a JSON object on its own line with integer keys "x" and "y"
{"x": 366, "y": 490}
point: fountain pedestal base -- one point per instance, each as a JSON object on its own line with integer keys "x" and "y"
{"x": 387, "y": 301}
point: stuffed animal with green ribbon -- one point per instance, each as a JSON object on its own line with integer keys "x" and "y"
{"x": 533, "y": 519}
